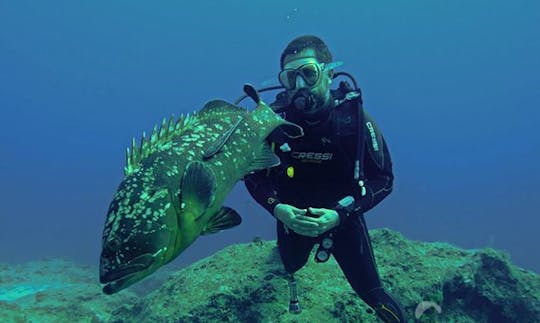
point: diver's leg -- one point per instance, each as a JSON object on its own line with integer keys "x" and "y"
{"x": 294, "y": 304}
{"x": 386, "y": 307}
{"x": 294, "y": 249}
{"x": 354, "y": 254}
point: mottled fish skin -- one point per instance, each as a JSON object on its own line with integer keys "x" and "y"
{"x": 148, "y": 224}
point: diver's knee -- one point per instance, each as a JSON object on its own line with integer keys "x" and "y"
{"x": 292, "y": 261}
{"x": 292, "y": 266}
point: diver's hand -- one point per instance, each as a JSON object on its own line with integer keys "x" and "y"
{"x": 294, "y": 218}
{"x": 326, "y": 218}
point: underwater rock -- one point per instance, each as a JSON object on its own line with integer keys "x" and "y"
{"x": 55, "y": 291}
{"x": 436, "y": 282}
{"x": 246, "y": 283}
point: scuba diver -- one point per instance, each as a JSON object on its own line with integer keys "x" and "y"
{"x": 327, "y": 179}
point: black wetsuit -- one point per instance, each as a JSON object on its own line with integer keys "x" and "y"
{"x": 317, "y": 171}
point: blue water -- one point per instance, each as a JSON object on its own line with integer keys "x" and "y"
{"x": 454, "y": 85}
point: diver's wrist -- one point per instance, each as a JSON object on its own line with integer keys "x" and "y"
{"x": 274, "y": 208}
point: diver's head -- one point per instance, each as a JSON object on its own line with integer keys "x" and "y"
{"x": 306, "y": 76}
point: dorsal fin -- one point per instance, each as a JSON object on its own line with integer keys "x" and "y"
{"x": 158, "y": 137}
{"x": 219, "y": 106}
{"x": 169, "y": 129}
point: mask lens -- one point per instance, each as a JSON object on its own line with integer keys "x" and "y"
{"x": 287, "y": 78}
{"x": 310, "y": 72}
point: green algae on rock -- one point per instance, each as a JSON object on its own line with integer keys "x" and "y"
{"x": 55, "y": 291}
{"x": 246, "y": 283}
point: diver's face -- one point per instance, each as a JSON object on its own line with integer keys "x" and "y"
{"x": 320, "y": 88}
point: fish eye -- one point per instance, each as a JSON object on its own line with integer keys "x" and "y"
{"x": 113, "y": 245}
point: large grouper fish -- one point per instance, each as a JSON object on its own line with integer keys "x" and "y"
{"x": 176, "y": 181}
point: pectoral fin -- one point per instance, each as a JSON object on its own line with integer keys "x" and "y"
{"x": 265, "y": 159}
{"x": 198, "y": 188}
{"x": 225, "y": 218}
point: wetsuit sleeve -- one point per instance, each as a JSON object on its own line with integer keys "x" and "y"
{"x": 378, "y": 183}
{"x": 378, "y": 174}
{"x": 262, "y": 188}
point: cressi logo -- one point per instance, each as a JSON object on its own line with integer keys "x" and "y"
{"x": 373, "y": 136}
{"x": 311, "y": 155}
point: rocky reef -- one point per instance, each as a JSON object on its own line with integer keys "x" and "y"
{"x": 435, "y": 282}
{"x": 54, "y": 291}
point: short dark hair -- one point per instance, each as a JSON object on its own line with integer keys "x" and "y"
{"x": 322, "y": 53}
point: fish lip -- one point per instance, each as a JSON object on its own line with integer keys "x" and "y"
{"x": 137, "y": 265}
{"x": 117, "y": 285}
{"x": 119, "y": 274}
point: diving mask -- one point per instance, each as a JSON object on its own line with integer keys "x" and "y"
{"x": 310, "y": 72}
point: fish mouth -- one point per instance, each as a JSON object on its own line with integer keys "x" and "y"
{"x": 118, "y": 284}
{"x": 136, "y": 270}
